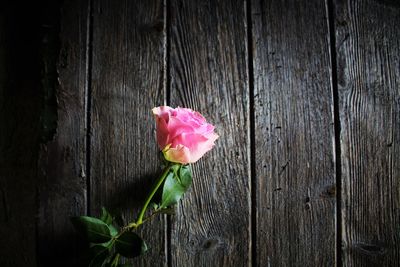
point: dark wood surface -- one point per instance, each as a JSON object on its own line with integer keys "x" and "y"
{"x": 127, "y": 82}
{"x": 19, "y": 121}
{"x": 294, "y": 134}
{"x": 62, "y": 158}
{"x": 208, "y": 72}
{"x": 304, "y": 95}
{"x": 368, "y": 55}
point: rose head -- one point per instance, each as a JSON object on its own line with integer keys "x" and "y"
{"x": 183, "y": 135}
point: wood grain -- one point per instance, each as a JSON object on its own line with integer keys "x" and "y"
{"x": 368, "y": 55}
{"x": 20, "y": 110}
{"x": 62, "y": 163}
{"x": 208, "y": 72}
{"x": 127, "y": 82}
{"x": 294, "y": 136}
{"x": 96, "y": 91}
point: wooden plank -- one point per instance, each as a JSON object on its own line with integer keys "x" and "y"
{"x": 368, "y": 56}
{"x": 208, "y": 73}
{"x": 294, "y": 134}
{"x": 62, "y": 163}
{"x": 127, "y": 82}
{"x": 19, "y": 118}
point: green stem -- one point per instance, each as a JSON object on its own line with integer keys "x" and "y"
{"x": 158, "y": 211}
{"x": 115, "y": 260}
{"x": 139, "y": 220}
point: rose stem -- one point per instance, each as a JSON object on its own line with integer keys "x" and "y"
{"x": 139, "y": 220}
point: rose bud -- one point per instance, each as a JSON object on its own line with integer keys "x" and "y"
{"x": 183, "y": 135}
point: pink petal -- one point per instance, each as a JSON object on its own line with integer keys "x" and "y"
{"x": 183, "y": 135}
{"x": 202, "y": 148}
{"x": 162, "y": 112}
{"x": 180, "y": 154}
{"x": 197, "y": 144}
{"x": 177, "y": 127}
{"x": 162, "y": 133}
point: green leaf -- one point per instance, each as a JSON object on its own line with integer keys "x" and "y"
{"x": 94, "y": 229}
{"x": 105, "y": 244}
{"x": 130, "y": 245}
{"x": 175, "y": 168}
{"x": 99, "y": 255}
{"x": 113, "y": 230}
{"x": 176, "y": 184}
{"x": 154, "y": 205}
{"x": 106, "y": 216}
{"x": 186, "y": 176}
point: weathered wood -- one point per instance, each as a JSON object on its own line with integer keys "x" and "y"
{"x": 62, "y": 162}
{"x": 368, "y": 56}
{"x": 20, "y": 104}
{"x": 294, "y": 134}
{"x": 293, "y": 155}
{"x": 208, "y": 71}
{"x": 127, "y": 82}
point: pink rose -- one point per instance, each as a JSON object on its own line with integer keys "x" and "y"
{"x": 183, "y": 135}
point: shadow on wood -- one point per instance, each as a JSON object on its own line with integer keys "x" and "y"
{"x": 131, "y": 197}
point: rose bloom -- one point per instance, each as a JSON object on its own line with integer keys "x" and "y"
{"x": 183, "y": 135}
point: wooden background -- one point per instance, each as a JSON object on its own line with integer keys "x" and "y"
{"x": 304, "y": 94}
